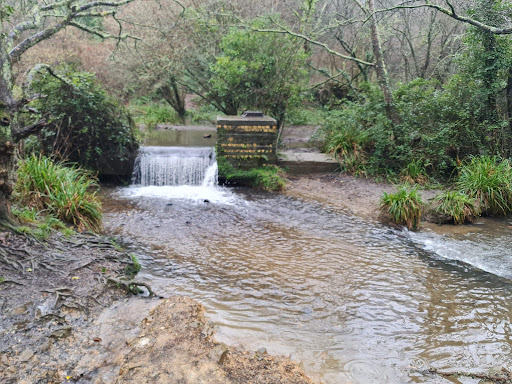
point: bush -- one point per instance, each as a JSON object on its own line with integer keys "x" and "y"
{"x": 440, "y": 124}
{"x": 153, "y": 114}
{"x": 346, "y": 144}
{"x": 404, "y": 206}
{"x": 456, "y": 206}
{"x": 414, "y": 173}
{"x": 268, "y": 178}
{"x": 67, "y": 193}
{"x": 86, "y": 125}
{"x": 488, "y": 180}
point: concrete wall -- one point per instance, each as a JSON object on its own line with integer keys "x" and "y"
{"x": 247, "y": 142}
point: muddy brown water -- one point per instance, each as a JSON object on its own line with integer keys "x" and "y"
{"x": 354, "y": 301}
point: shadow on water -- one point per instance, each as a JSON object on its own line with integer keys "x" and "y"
{"x": 354, "y": 301}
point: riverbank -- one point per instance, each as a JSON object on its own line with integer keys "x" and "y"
{"x": 62, "y": 321}
{"x": 358, "y": 196}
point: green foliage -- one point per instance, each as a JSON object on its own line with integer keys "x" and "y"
{"x": 414, "y": 173}
{"x": 457, "y": 206}
{"x": 489, "y": 181}
{"x": 346, "y": 144}
{"x": 258, "y": 71}
{"x": 268, "y": 178}
{"x": 404, "y": 206}
{"x": 152, "y": 114}
{"x": 300, "y": 115}
{"x": 134, "y": 267}
{"x": 439, "y": 126}
{"x": 87, "y": 126}
{"x": 67, "y": 193}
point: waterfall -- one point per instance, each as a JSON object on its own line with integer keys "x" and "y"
{"x": 175, "y": 166}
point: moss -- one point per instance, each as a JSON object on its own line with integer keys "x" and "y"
{"x": 268, "y": 177}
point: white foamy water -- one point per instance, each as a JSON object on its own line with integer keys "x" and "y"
{"x": 489, "y": 252}
{"x": 185, "y": 173}
{"x": 199, "y": 194}
{"x": 174, "y": 166}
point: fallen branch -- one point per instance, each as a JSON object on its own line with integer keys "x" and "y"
{"x": 504, "y": 378}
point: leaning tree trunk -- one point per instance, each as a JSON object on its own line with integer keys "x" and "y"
{"x": 508, "y": 150}
{"x": 380, "y": 67}
{"x": 7, "y": 119}
{"x": 175, "y": 96}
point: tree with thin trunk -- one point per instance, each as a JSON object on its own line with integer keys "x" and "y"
{"x": 23, "y": 25}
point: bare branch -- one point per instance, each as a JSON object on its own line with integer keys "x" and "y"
{"x": 29, "y": 130}
{"x": 38, "y": 37}
{"x": 451, "y": 13}
{"x": 95, "y": 4}
{"x": 286, "y": 31}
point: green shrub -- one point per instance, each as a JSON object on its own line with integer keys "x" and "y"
{"x": 489, "y": 181}
{"x": 404, "y": 206}
{"x": 346, "y": 144}
{"x": 154, "y": 113}
{"x": 67, "y": 193}
{"x": 300, "y": 115}
{"x": 457, "y": 206}
{"x": 268, "y": 178}
{"x": 414, "y": 173}
{"x": 86, "y": 126}
{"x": 134, "y": 267}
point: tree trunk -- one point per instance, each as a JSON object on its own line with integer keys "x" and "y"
{"x": 380, "y": 67}
{"x": 172, "y": 93}
{"x": 8, "y": 119}
{"x": 508, "y": 150}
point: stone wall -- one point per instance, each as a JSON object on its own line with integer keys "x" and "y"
{"x": 247, "y": 142}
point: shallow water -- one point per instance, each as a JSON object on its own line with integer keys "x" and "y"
{"x": 355, "y": 301}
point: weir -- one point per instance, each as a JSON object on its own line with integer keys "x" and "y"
{"x": 175, "y": 166}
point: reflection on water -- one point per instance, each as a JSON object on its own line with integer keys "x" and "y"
{"x": 190, "y": 137}
{"x": 354, "y": 301}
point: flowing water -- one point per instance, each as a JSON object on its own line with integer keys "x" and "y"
{"x": 355, "y": 301}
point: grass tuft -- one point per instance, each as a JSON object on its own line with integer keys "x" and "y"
{"x": 66, "y": 193}
{"x": 457, "y": 206}
{"x": 404, "y": 206}
{"x": 489, "y": 181}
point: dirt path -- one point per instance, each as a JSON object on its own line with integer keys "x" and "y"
{"x": 60, "y": 322}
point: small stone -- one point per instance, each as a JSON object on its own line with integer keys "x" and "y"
{"x": 262, "y": 351}
{"x": 61, "y": 333}
{"x": 26, "y": 355}
{"x": 219, "y": 353}
{"x": 4, "y": 360}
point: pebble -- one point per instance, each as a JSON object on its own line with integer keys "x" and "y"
{"x": 26, "y": 355}
{"x": 61, "y": 333}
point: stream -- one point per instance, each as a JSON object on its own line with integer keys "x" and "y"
{"x": 353, "y": 300}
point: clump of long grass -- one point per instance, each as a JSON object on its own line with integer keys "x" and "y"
{"x": 414, "y": 173}
{"x": 457, "y": 206}
{"x": 67, "y": 193}
{"x": 488, "y": 180}
{"x": 404, "y": 206}
{"x": 346, "y": 144}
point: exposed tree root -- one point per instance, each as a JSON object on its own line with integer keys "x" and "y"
{"x": 130, "y": 286}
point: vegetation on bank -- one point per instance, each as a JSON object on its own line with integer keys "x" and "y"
{"x": 404, "y": 206}
{"x": 483, "y": 186}
{"x": 268, "y": 178}
{"x": 66, "y": 193}
{"x": 85, "y": 125}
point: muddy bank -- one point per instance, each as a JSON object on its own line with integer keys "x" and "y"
{"x": 62, "y": 321}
